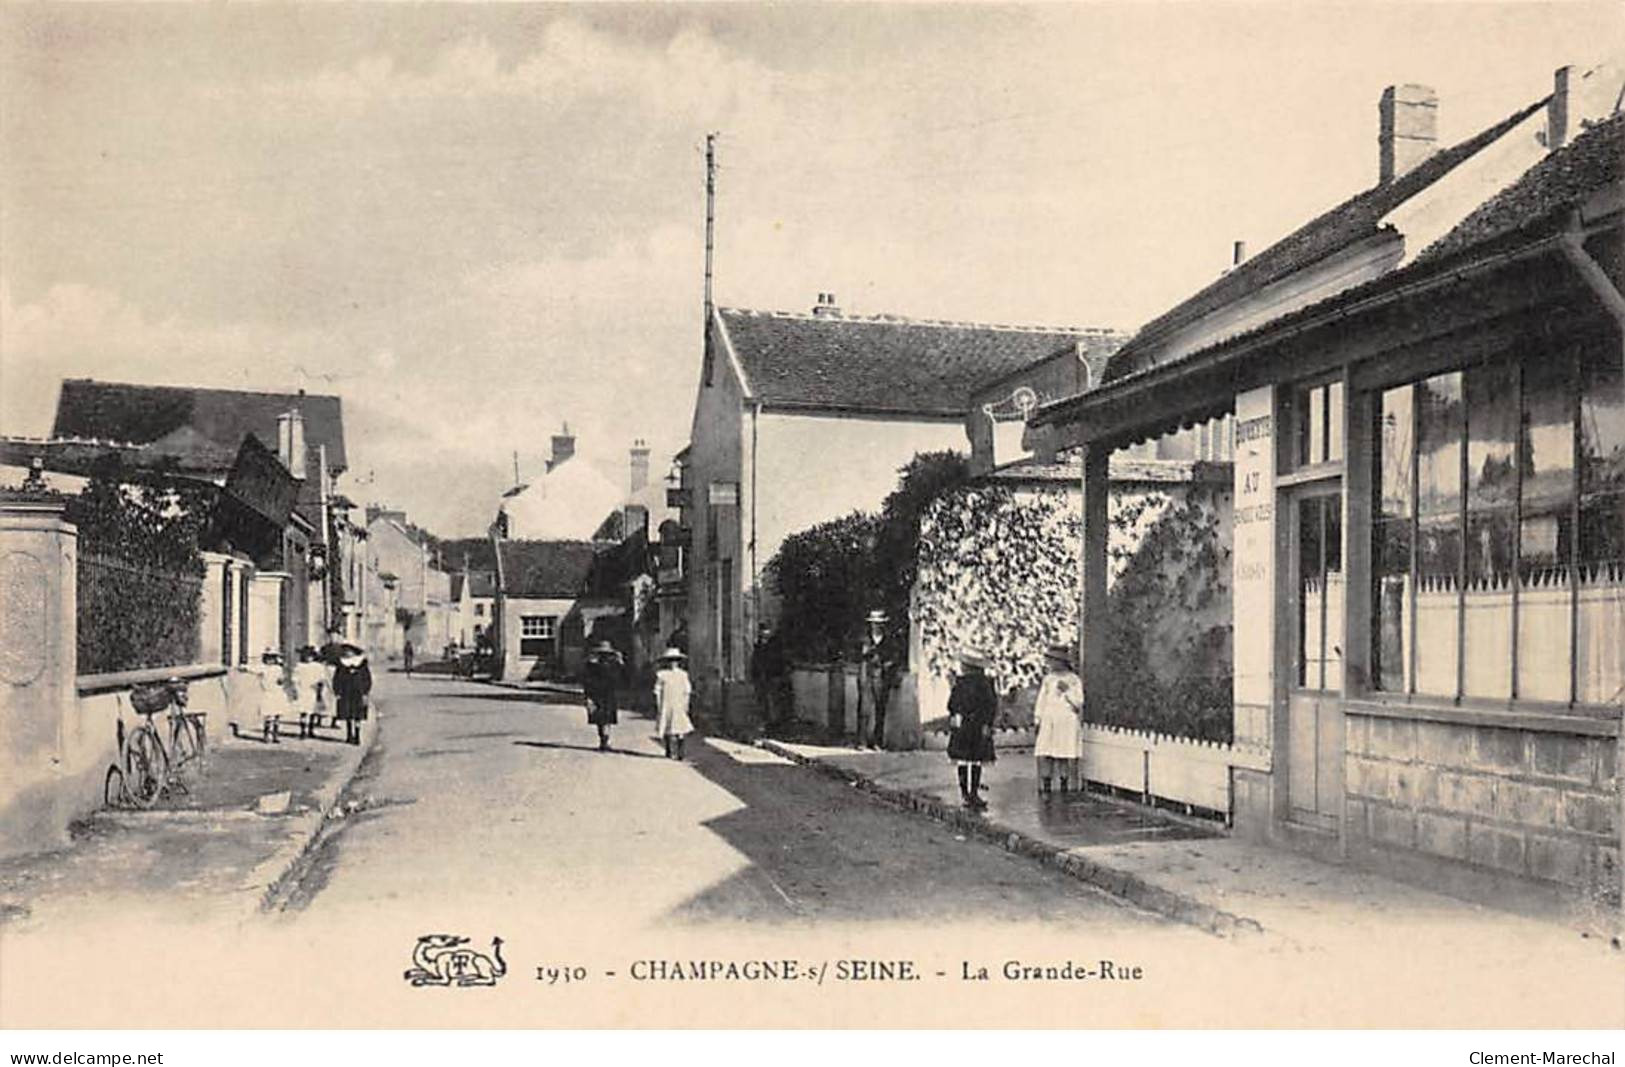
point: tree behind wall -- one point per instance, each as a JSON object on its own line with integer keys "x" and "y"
{"x": 140, "y": 577}
{"x": 824, "y": 577}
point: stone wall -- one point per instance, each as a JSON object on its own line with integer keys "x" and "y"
{"x": 1535, "y": 804}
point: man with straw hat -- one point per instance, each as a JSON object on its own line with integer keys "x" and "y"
{"x": 879, "y": 675}
{"x": 672, "y": 692}
{"x": 972, "y": 707}
{"x": 1058, "y": 712}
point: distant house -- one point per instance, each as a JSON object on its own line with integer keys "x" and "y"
{"x": 801, "y": 418}
{"x": 540, "y": 588}
{"x": 567, "y": 503}
{"x": 474, "y": 593}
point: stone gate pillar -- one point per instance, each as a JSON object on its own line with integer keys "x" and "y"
{"x": 38, "y": 674}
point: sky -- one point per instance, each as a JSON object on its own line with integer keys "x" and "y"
{"x": 477, "y": 222}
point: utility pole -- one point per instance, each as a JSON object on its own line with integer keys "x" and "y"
{"x": 710, "y": 218}
{"x": 516, "y": 468}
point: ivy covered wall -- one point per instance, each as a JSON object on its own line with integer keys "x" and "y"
{"x": 998, "y": 571}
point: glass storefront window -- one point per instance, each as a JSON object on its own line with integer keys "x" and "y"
{"x": 1440, "y": 424}
{"x": 1498, "y": 539}
{"x": 1545, "y": 530}
{"x": 1492, "y": 497}
{"x": 1599, "y": 667}
{"x": 1395, "y": 458}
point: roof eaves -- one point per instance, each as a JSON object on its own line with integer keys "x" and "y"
{"x": 733, "y": 356}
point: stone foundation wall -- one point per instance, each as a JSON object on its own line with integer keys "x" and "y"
{"x": 1534, "y": 804}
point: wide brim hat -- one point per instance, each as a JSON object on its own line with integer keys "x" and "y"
{"x": 673, "y": 655}
{"x": 606, "y": 647}
{"x": 877, "y": 616}
{"x": 974, "y": 657}
{"x": 1063, "y": 653}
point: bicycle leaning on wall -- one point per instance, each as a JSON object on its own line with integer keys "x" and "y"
{"x": 147, "y": 768}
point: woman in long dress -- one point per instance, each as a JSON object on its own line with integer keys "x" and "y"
{"x": 1058, "y": 712}
{"x": 672, "y": 692}
{"x": 599, "y": 684}
{"x": 972, "y": 708}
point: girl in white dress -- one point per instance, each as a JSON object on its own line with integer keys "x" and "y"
{"x": 1058, "y": 712}
{"x": 672, "y": 692}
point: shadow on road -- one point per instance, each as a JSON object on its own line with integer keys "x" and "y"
{"x": 821, "y": 849}
{"x": 589, "y": 748}
{"x": 509, "y": 696}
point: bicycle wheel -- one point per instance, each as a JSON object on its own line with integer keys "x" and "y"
{"x": 114, "y": 792}
{"x": 146, "y": 767}
{"x": 184, "y": 741}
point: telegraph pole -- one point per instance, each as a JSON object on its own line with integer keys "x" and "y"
{"x": 710, "y": 218}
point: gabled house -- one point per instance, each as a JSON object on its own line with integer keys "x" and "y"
{"x": 1428, "y": 560}
{"x": 541, "y": 620}
{"x": 801, "y": 418}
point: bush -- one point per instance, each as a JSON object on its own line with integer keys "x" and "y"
{"x": 140, "y": 577}
{"x": 824, "y": 581}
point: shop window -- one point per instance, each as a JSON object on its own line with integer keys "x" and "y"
{"x": 1320, "y": 592}
{"x": 1316, "y": 417}
{"x": 1498, "y": 537}
{"x": 537, "y": 634}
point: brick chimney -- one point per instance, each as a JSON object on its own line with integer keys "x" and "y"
{"x": 564, "y": 446}
{"x": 290, "y": 442}
{"x": 640, "y": 465}
{"x": 1407, "y": 130}
{"x": 826, "y": 308}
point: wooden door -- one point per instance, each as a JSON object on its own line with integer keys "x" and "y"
{"x": 1315, "y": 661}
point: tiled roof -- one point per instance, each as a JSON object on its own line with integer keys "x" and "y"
{"x": 1563, "y": 179}
{"x": 197, "y": 425}
{"x": 882, "y": 363}
{"x": 557, "y": 569}
{"x": 1349, "y": 222}
{"x": 482, "y": 583}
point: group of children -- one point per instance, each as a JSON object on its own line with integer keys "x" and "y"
{"x": 331, "y": 684}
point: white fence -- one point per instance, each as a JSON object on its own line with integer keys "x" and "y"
{"x": 1171, "y": 769}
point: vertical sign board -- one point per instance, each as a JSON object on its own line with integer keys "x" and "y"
{"x": 1253, "y": 562}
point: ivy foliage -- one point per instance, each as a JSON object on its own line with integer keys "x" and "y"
{"x": 139, "y": 579}
{"x": 1168, "y": 645}
{"x": 998, "y": 572}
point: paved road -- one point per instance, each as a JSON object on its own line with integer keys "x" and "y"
{"x": 478, "y": 798}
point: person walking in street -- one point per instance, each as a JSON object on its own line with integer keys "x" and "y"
{"x": 768, "y": 673}
{"x": 600, "y": 684}
{"x": 1058, "y": 711}
{"x": 972, "y": 708}
{"x": 672, "y": 692}
{"x": 352, "y": 681}
{"x": 406, "y": 657}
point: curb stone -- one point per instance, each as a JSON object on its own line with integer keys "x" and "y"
{"x": 267, "y": 881}
{"x": 1118, "y": 882}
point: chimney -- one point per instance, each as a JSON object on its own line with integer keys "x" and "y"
{"x": 826, "y": 307}
{"x": 1238, "y": 253}
{"x": 290, "y": 442}
{"x": 564, "y": 446}
{"x": 1557, "y": 110}
{"x": 1407, "y": 129}
{"x": 640, "y": 465}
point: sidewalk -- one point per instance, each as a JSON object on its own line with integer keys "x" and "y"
{"x": 216, "y": 851}
{"x": 1173, "y": 865}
